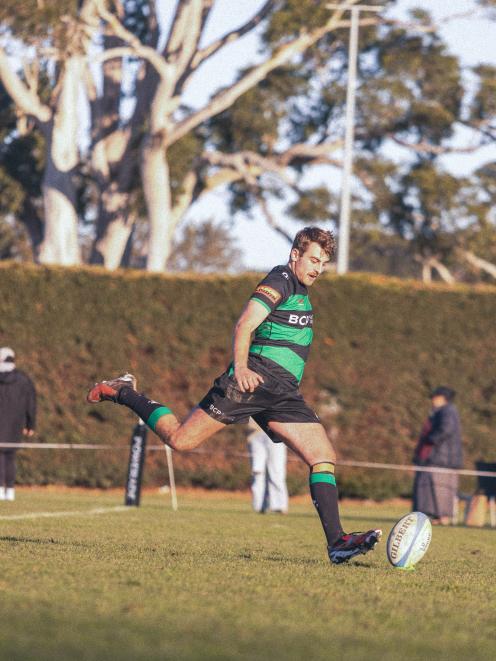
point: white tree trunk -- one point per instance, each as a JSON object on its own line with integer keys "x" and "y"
{"x": 113, "y": 243}
{"x": 444, "y": 272}
{"x": 479, "y": 263}
{"x": 426, "y": 272}
{"x": 114, "y": 222}
{"x": 156, "y": 187}
{"x": 60, "y": 243}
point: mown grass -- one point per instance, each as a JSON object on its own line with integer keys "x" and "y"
{"x": 216, "y": 581}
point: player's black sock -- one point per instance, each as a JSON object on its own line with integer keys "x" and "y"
{"x": 147, "y": 409}
{"x": 325, "y": 498}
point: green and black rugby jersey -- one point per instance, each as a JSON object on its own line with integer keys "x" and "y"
{"x": 283, "y": 339}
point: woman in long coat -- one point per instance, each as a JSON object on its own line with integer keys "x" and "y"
{"x": 440, "y": 445}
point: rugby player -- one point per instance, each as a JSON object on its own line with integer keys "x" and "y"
{"x": 271, "y": 342}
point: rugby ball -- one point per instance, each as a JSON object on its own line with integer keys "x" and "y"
{"x": 409, "y": 540}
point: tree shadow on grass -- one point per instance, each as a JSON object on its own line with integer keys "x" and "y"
{"x": 38, "y": 540}
{"x": 272, "y": 557}
{"x": 359, "y": 564}
{"x": 376, "y": 519}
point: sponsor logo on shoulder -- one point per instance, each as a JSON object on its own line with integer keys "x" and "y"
{"x": 271, "y": 294}
{"x": 285, "y": 275}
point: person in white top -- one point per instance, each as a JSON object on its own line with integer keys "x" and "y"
{"x": 268, "y": 467}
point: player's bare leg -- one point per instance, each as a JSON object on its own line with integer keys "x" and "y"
{"x": 308, "y": 440}
{"x": 186, "y": 435}
{"x": 311, "y": 443}
{"x": 189, "y": 434}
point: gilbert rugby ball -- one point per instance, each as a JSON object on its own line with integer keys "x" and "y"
{"x": 409, "y": 540}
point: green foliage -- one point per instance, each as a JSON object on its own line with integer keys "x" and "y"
{"x": 380, "y": 346}
{"x": 22, "y": 161}
{"x": 484, "y": 103}
{"x": 136, "y": 17}
{"x": 182, "y": 155}
{"x": 253, "y": 122}
{"x": 313, "y": 205}
{"x": 410, "y": 89}
{"x": 206, "y": 248}
{"x": 14, "y": 243}
{"x": 32, "y": 20}
{"x": 377, "y": 252}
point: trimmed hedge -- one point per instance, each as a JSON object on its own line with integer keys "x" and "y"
{"x": 380, "y": 346}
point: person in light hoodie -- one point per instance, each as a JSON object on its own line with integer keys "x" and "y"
{"x": 268, "y": 469}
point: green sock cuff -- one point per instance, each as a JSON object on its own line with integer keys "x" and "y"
{"x": 158, "y": 413}
{"x": 322, "y": 477}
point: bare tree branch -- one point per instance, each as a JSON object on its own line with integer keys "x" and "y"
{"x": 484, "y": 127}
{"x": 178, "y": 28}
{"x": 249, "y": 163}
{"x": 226, "y": 97}
{"x": 271, "y": 221}
{"x": 233, "y": 35}
{"x": 429, "y": 148}
{"x": 443, "y": 271}
{"x": 138, "y": 48}
{"x": 26, "y": 99}
{"x": 185, "y": 50}
{"x": 309, "y": 151}
{"x": 479, "y": 263}
{"x": 186, "y": 196}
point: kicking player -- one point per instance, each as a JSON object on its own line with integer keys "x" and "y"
{"x": 272, "y": 338}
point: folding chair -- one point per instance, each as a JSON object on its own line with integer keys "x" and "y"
{"x": 487, "y": 486}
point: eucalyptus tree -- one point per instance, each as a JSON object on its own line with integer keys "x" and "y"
{"x": 35, "y": 35}
{"x": 148, "y": 154}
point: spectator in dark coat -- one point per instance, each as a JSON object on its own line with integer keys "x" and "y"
{"x": 440, "y": 445}
{"x": 17, "y": 417}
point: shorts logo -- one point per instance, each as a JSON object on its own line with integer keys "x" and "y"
{"x": 215, "y": 410}
{"x": 271, "y": 294}
{"x": 304, "y": 320}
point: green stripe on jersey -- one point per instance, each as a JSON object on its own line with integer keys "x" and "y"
{"x": 284, "y": 357}
{"x": 296, "y": 302}
{"x": 274, "y": 331}
{"x": 323, "y": 477}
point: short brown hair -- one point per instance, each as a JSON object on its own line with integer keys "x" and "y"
{"x": 308, "y": 235}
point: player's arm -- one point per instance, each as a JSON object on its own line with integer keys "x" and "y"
{"x": 251, "y": 317}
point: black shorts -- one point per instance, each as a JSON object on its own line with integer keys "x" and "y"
{"x": 269, "y": 402}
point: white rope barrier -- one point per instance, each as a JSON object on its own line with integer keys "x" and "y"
{"x": 344, "y": 462}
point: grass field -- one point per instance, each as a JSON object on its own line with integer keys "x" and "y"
{"x": 216, "y": 581}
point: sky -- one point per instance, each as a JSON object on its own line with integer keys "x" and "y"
{"x": 473, "y": 39}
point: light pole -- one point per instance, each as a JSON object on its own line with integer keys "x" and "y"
{"x": 344, "y": 215}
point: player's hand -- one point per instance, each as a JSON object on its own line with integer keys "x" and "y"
{"x": 247, "y": 379}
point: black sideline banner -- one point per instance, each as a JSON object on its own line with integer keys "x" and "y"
{"x": 136, "y": 462}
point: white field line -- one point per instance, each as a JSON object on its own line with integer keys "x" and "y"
{"x": 47, "y": 515}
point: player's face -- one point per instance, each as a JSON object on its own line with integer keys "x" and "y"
{"x": 308, "y": 266}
